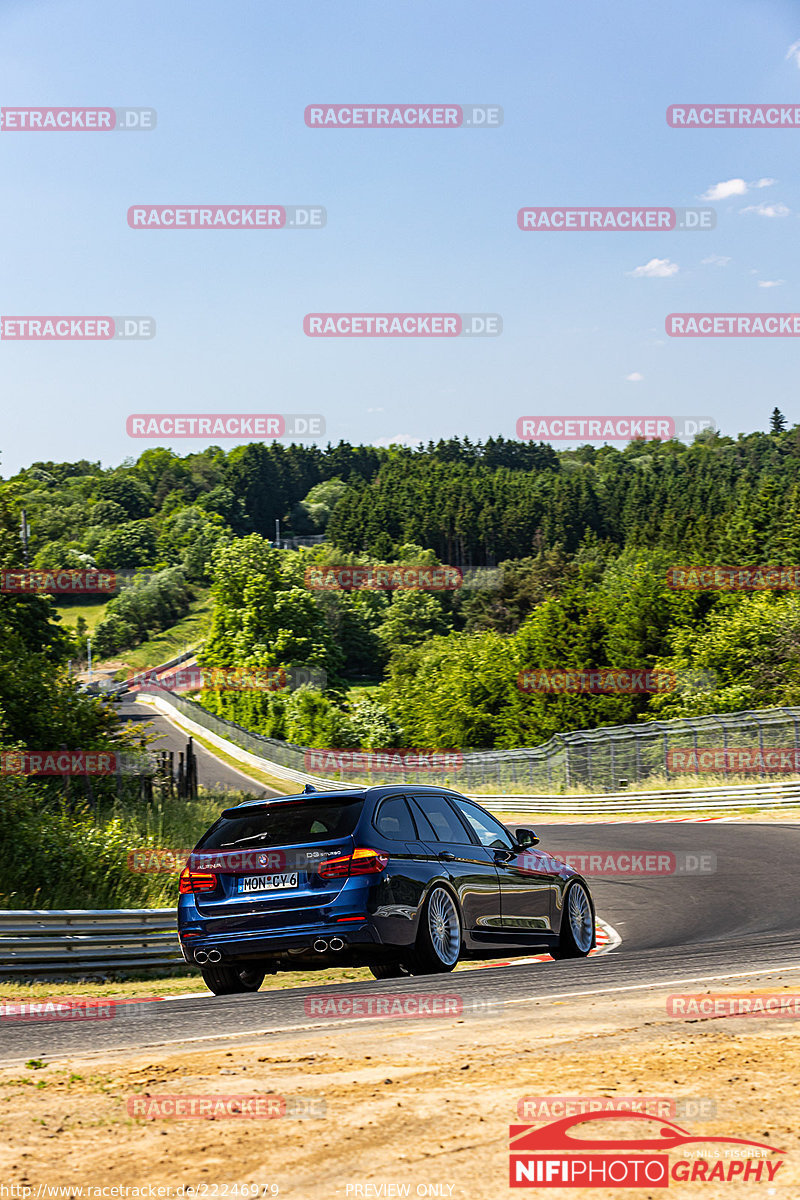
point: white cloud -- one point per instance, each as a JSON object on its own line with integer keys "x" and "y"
{"x": 793, "y": 53}
{"x": 770, "y": 282}
{"x": 634, "y": 377}
{"x": 721, "y": 191}
{"x": 715, "y": 260}
{"x": 375, "y": 410}
{"x": 734, "y": 187}
{"x": 768, "y": 210}
{"x": 657, "y": 268}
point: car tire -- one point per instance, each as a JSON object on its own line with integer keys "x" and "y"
{"x": 224, "y": 980}
{"x": 390, "y": 970}
{"x": 438, "y": 946}
{"x": 577, "y": 924}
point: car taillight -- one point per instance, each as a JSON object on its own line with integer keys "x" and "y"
{"x": 192, "y": 882}
{"x": 362, "y": 861}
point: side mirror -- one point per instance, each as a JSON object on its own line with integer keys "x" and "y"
{"x": 525, "y": 838}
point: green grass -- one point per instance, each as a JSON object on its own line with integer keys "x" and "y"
{"x": 363, "y": 691}
{"x": 185, "y": 634}
{"x": 91, "y": 613}
{"x": 60, "y": 852}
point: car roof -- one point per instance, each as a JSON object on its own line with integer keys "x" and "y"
{"x": 365, "y": 793}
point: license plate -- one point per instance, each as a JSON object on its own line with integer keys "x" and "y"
{"x": 267, "y": 883}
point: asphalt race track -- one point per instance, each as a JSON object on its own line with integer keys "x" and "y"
{"x": 211, "y": 772}
{"x": 742, "y": 918}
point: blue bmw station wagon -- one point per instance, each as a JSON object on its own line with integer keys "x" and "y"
{"x": 403, "y": 880}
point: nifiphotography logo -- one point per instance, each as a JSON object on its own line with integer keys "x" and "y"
{"x": 552, "y": 1156}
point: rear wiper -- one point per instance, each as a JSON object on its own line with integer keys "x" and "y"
{"x": 240, "y": 841}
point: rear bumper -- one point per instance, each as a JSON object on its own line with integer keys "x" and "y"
{"x": 237, "y": 946}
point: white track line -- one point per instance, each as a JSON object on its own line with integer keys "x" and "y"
{"x": 317, "y": 1026}
{"x": 607, "y": 940}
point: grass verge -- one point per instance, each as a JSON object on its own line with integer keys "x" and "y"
{"x": 91, "y": 613}
{"x": 189, "y": 632}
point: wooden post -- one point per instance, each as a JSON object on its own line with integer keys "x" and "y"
{"x": 191, "y": 760}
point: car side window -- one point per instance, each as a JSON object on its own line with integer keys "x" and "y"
{"x": 393, "y": 820}
{"x": 490, "y": 832}
{"x": 444, "y": 821}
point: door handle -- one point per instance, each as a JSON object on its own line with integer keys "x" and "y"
{"x": 446, "y": 856}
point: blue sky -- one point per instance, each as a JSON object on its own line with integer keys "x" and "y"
{"x": 417, "y": 220}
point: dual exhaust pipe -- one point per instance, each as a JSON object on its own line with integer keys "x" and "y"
{"x": 321, "y": 945}
{"x": 207, "y": 956}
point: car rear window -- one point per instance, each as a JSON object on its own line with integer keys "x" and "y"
{"x": 286, "y": 824}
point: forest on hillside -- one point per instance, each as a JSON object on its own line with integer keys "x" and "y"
{"x": 577, "y": 546}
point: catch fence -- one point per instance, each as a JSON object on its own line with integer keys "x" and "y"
{"x": 599, "y": 760}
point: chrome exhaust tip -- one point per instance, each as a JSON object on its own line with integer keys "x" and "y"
{"x": 200, "y": 956}
{"x": 336, "y": 944}
{"x": 320, "y": 945}
{"x": 214, "y": 956}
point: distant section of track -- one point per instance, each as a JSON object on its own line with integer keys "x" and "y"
{"x": 743, "y": 918}
{"x": 212, "y": 772}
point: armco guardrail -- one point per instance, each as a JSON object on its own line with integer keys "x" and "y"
{"x": 83, "y": 941}
{"x": 116, "y": 687}
{"x": 670, "y": 800}
{"x": 760, "y": 795}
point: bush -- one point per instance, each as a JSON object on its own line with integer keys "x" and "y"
{"x": 56, "y": 855}
{"x": 141, "y": 611}
{"x": 130, "y": 545}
